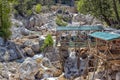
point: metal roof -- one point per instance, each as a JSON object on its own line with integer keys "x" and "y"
{"x": 75, "y": 28}
{"x": 105, "y": 35}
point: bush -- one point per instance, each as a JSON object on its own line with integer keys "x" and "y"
{"x": 47, "y": 42}
{"x": 29, "y": 12}
{"x": 38, "y": 8}
{"x": 60, "y": 22}
{"x": 5, "y": 24}
{"x": 4, "y": 33}
{"x": 67, "y": 18}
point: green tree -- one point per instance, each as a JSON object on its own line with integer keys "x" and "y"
{"x": 38, "y": 8}
{"x": 59, "y": 21}
{"x": 105, "y": 10}
{"x": 24, "y": 7}
{"x": 48, "y": 42}
{"x": 5, "y": 22}
{"x": 116, "y": 11}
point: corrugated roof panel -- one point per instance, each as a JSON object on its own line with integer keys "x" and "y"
{"x": 105, "y": 35}
{"x": 70, "y": 28}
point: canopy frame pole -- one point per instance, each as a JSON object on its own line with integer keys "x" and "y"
{"x": 108, "y": 49}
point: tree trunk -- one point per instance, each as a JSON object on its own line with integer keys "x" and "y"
{"x": 116, "y": 11}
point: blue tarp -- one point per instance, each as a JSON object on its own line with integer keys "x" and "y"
{"x": 71, "y": 28}
{"x": 105, "y": 35}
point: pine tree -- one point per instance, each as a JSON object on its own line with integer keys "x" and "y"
{"x": 5, "y": 23}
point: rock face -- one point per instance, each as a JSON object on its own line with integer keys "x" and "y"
{"x": 17, "y": 25}
{"x": 85, "y": 19}
{"x": 96, "y": 22}
{"x": 36, "y": 47}
{"x": 2, "y": 53}
{"x": 47, "y": 69}
{"x": 8, "y": 70}
{"x": 52, "y": 56}
{"x": 36, "y": 20}
{"x": 55, "y": 68}
{"x": 25, "y": 32}
{"x": 46, "y": 62}
{"x": 9, "y": 53}
{"x": 16, "y": 32}
{"x": 71, "y": 66}
{"x": 12, "y": 50}
{"x": 37, "y": 67}
{"x": 29, "y": 51}
{"x": 13, "y": 55}
{"x": 57, "y": 72}
{"x": 78, "y": 18}
{"x": 28, "y": 69}
{"x": 27, "y": 43}
{"x": 67, "y": 17}
{"x": 1, "y": 41}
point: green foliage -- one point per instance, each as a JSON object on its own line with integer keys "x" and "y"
{"x": 80, "y": 5}
{"x": 60, "y": 22}
{"x": 5, "y": 33}
{"x": 24, "y": 7}
{"x": 29, "y": 12}
{"x": 47, "y": 42}
{"x": 101, "y": 9}
{"x": 38, "y": 8}
{"x": 67, "y": 18}
{"x": 5, "y": 22}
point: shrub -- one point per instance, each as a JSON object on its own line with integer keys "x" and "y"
{"x": 67, "y": 18}
{"x": 29, "y": 12}
{"x": 60, "y": 22}
{"x": 5, "y": 20}
{"x": 4, "y": 33}
{"x": 38, "y": 8}
{"x": 48, "y": 42}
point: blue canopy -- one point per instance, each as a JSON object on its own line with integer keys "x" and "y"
{"x": 86, "y": 28}
{"x": 105, "y": 35}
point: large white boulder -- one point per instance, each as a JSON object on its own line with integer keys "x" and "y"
{"x": 28, "y": 69}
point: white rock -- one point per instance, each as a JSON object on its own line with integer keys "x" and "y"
{"x": 28, "y": 69}
{"x": 24, "y": 31}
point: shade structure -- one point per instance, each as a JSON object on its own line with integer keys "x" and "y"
{"x": 105, "y": 36}
{"x": 76, "y": 28}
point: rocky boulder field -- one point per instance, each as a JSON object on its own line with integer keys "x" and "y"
{"x": 21, "y": 57}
